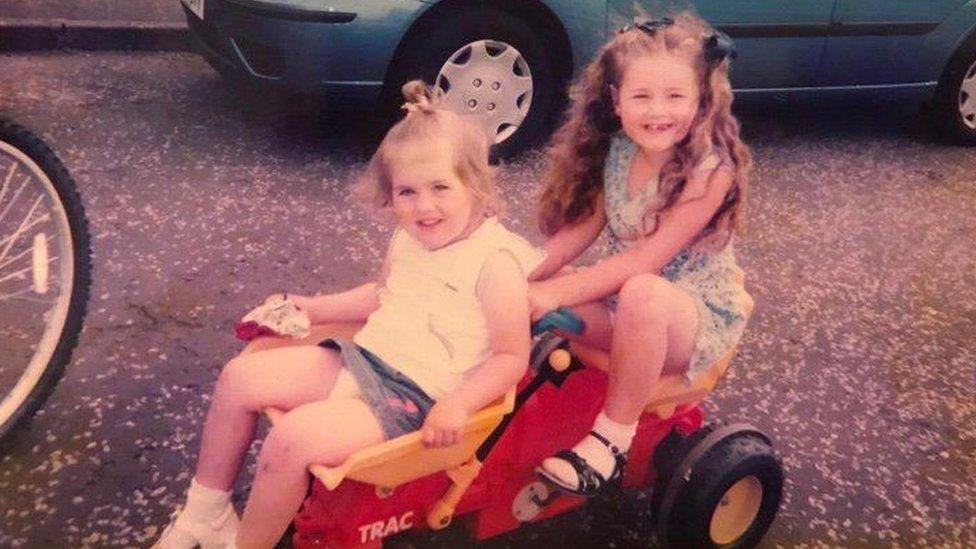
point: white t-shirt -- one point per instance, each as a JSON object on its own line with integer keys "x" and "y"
{"x": 430, "y": 324}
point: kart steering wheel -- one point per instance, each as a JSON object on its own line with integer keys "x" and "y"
{"x": 562, "y": 318}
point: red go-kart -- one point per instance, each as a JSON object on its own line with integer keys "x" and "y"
{"x": 713, "y": 486}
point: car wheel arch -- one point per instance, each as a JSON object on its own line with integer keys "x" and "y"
{"x": 967, "y": 42}
{"x": 956, "y": 32}
{"x": 534, "y": 13}
{"x": 945, "y": 103}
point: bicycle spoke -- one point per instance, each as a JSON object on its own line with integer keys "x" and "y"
{"x": 6, "y": 184}
{"x": 16, "y": 194}
{"x": 24, "y": 253}
{"x": 23, "y": 272}
{"x": 22, "y": 295}
{"x": 24, "y": 226}
{"x": 42, "y": 219}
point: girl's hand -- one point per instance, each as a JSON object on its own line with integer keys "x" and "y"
{"x": 541, "y": 300}
{"x": 298, "y": 300}
{"x": 541, "y": 272}
{"x": 443, "y": 424}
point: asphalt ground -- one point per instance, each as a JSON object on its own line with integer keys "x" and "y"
{"x": 860, "y": 361}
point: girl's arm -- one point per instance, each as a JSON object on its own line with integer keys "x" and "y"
{"x": 569, "y": 242}
{"x": 502, "y": 293}
{"x": 677, "y": 228}
{"x": 353, "y": 305}
{"x": 350, "y": 306}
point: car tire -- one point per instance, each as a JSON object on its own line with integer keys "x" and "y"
{"x": 955, "y": 105}
{"x": 442, "y": 44}
{"x": 719, "y": 487}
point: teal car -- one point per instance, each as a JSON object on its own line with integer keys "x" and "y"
{"x": 509, "y": 61}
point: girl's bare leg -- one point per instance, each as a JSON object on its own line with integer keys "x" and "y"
{"x": 654, "y": 330}
{"x": 321, "y": 432}
{"x": 284, "y": 378}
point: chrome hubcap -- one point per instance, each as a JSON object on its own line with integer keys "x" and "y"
{"x": 490, "y": 80}
{"x": 967, "y": 97}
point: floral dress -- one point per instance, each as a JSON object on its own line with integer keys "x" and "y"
{"x": 711, "y": 277}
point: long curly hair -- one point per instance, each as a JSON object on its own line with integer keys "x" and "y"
{"x": 574, "y": 180}
{"x": 428, "y": 122}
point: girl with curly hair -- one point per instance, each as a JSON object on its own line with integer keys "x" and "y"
{"x": 651, "y": 152}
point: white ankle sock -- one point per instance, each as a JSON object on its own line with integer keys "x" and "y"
{"x": 207, "y": 520}
{"x": 619, "y": 434}
{"x": 204, "y": 503}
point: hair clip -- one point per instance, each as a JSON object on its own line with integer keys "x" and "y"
{"x": 648, "y": 25}
{"x": 420, "y": 104}
{"x": 718, "y": 47}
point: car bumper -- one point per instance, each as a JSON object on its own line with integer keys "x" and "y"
{"x": 306, "y": 50}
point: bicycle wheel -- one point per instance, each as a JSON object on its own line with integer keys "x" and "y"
{"x": 45, "y": 273}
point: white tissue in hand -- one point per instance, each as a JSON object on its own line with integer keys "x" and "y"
{"x": 280, "y": 315}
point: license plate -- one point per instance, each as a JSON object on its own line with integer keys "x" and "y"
{"x": 196, "y": 6}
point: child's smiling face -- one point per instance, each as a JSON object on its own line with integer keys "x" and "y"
{"x": 657, "y": 101}
{"x": 429, "y": 199}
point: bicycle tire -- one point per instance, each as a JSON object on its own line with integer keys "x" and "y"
{"x": 21, "y": 401}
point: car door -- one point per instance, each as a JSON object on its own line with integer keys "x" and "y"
{"x": 780, "y": 43}
{"x": 880, "y": 41}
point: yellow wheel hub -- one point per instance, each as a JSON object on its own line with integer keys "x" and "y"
{"x": 736, "y": 511}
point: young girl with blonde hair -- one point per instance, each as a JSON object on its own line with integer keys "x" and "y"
{"x": 446, "y": 332}
{"x": 651, "y": 152}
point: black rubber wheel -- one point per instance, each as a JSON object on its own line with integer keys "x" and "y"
{"x": 425, "y": 54}
{"x": 41, "y": 308}
{"x": 669, "y": 454}
{"x": 727, "y": 498}
{"x": 955, "y": 99}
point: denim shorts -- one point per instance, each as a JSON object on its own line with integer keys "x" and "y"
{"x": 398, "y": 403}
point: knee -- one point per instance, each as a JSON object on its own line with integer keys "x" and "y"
{"x": 233, "y": 372}
{"x": 641, "y": 297}
{"x": 289, "y": 445}
{"x": 282, "y": 448}
{"x": 236, "y": 378}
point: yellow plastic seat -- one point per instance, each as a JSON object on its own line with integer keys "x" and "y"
{"x": 669, "y": 391}
{"x": 405, "y": 458}
{"x": 402, "y": 459}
